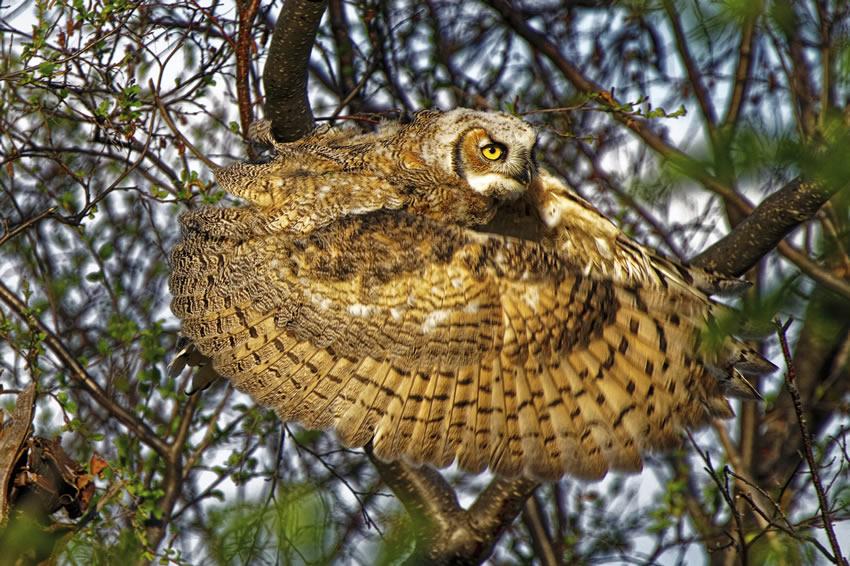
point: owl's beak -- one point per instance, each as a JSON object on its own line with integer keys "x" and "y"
{"x": 523, "y": 177}
{"x": 526, "y": 175}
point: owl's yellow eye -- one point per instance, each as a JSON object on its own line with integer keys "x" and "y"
{"x": 493, "y": 151}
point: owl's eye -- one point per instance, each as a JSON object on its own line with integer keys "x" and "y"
{"x": 494, "y": 151}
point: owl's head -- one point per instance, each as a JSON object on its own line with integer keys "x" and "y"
{"x": 492, "y": 152}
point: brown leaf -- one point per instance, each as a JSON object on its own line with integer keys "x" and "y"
{"x": 85, "y": 483}
{"x": 97, "y": 465}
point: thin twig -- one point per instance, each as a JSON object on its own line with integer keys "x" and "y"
{"x": 164, "y": 113}
{"x": 24, "y": 225}
{"x": 79, "y": 375}
{"x": 727, "y": 496}
{"x": 357, "y": 88}
{"x": 790, "y": 383}
{"x": 534, "y": 518}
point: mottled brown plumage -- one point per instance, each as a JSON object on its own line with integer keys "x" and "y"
{"x": 352, "y": 291}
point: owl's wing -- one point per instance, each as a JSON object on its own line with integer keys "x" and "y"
{"x": 440, "y": 344}
{"x": 555, "y": 216}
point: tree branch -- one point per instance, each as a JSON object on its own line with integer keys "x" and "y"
{"x": 807, "y": 443}
{"x": 285, "y": 73}
{"x": 445, "y": 532}
{"x": 680, "y": 160}
{"x": 742, "y": 73}
{"x": 535, "y": 521}
{"x": 174, "y": 473}
{"x": 79, "y": 375}
{"x": 348, "y": 86}
{"x": 695, "y": 77}
{"x": 765, "y": 226}
{"x": 818, "y": 274}
{"x": 408, "y": 482}
{"x": 247, "y": 12}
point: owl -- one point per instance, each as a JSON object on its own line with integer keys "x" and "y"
{"x": 429, "y": 289}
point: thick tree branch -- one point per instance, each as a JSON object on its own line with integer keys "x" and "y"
{"x": 499, "y": 503}
{"x": 765, "y": 226}
{"x": 285, "y": 73}
{"x": 433, "y": 513}
{"x": 445, "y": 532}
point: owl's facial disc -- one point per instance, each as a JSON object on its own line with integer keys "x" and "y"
{"x": 496, "y": 166}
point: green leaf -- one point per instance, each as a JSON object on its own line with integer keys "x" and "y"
{"x": 105, "y": 251}
{"x": 102, "y": 110}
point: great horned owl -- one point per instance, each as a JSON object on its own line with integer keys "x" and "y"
{"x": 353, "y": 291}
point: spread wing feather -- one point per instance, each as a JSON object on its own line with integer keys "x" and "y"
{"x": 440, "y": 344}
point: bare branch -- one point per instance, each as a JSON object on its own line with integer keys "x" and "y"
{"x": 830, "y": 281}
{"x": 79, "y": 375}
{"x": 285, "y": 73}
{"x": 695, "y": 75}
{"x": 765, "y": 227}
{"x": 163, "y": 111}
{"x": 9, "y": 234}
{"x": 790, "y": 379}
{"x": 535, "y": 520}
{"x": 742, "y": 73}
{"x": 247, "y": 11}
